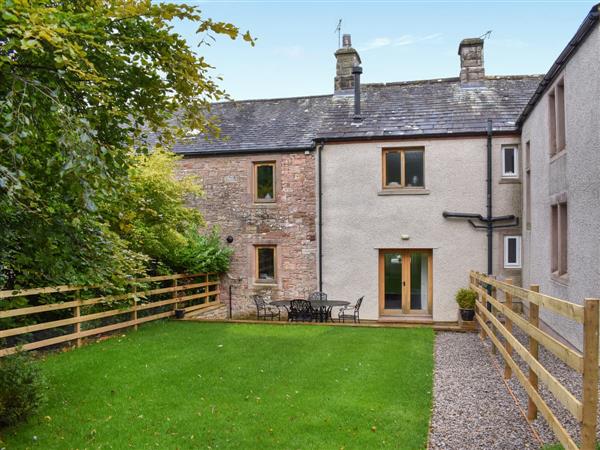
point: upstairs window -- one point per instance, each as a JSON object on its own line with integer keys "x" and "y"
{"x": 403, "y": 168}
{"x": 510, "y": 162}
{"x": 264, "y": 182}
{"x": 556, "y": 118}
{"x": 512, "y": 252}
{"x": 265, "y": 263}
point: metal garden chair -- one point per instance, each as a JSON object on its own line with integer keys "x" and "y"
{"x": 264, "y": 310}
{"x": 300, "y": 311}
{"x": 350, "y": 312}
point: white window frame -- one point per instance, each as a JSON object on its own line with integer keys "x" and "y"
{"x": 517, "y": 263}
{"x": 514, "y": 174}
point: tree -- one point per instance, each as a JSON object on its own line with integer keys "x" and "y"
{"x": 83, "y": 86}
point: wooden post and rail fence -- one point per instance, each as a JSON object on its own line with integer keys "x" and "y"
{"x": 488, "y": 310}
{"x": 143, "y": 302}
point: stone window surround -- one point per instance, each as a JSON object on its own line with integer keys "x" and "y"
{"x": 276, "y": 159}
{"x": 557, "y": 143}
{"x": 557, "y": 274}
{"x": 252, "y": 259}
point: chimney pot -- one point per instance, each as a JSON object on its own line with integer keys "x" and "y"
{"x": 471, "y": 60}
{"x": 347, "y": 41}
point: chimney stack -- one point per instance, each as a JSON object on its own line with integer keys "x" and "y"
{"x": 347, "y": 58}
{"x": 471, "y": 60}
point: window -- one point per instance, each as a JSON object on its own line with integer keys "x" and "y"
{"x": 403, "y": 168}
{"x": 556, "y": 118}
{"x": 559, "y": 236}
{"x": 264, "y": 182}
{"x": 512, "y": 252}
{"x": 265, "y": 263}
{"x": 528, "y": 185}
{"x": 510, "y": 162}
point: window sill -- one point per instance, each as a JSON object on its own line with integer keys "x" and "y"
{"x": 265, "y": 284}
{"x": 560, "y": 279}
{"x": 510, "y": 181}
{"x": 265, "y": 204}
{"x": 404, "y": 191}
{"x": 558, "y": 155}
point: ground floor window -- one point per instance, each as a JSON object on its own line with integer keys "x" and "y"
{"x": 265, "y": 263}
{"x": 512, "y": 252}
{"x": 559, "y": 218}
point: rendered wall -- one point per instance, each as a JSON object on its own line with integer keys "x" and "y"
{"x": 574, "y": 173}
{"x": 358, "y": 220}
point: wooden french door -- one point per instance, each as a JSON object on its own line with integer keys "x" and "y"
{"x": 405, "y": 282}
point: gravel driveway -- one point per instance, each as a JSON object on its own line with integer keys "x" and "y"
{"x": 472, "y": 407}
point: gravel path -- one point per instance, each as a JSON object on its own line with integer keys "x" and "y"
{"x": 563, "y": 373}
{"x": 472, "y": 407}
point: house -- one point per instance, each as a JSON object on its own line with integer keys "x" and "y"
{"x": 560, "y": 133}
{"x": 382, "y": 190}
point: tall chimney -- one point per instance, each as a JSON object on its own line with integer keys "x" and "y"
{"x": 471, "y": 60}
{"x": 356, "y": 71}
{"x": 347, "y": 58}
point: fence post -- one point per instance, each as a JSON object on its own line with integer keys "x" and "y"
{"x": 590, "y": 374}
{"x": 77, "y": 313}
{"x": 134, "y": 315}
{"x": 508, "y": 303}
{"x": 534, "y": 320}
{"x": 176, "y": 294}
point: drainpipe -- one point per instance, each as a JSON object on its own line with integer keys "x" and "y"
{"x": 320, "y": 211}
{"x": 489, "y": 198}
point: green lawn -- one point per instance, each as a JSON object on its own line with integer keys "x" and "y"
{"x": 178, "y": 385}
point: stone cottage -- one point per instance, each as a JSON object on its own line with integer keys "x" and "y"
{"x": 382, "y": 189}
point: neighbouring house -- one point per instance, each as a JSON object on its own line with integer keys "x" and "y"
{"x": 382, "y": 190}
{"x": 561, "y": 173}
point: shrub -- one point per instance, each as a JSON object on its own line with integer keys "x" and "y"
{"x": 202, "y": 253}
{"x": 22, "y": 388}
{"x": 466, "y": 298}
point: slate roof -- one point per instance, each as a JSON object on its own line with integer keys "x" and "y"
{"x": 262, "y": 125}
{"x": 419, "y": 108}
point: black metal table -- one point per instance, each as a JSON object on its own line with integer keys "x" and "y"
{"x": 323, "y": 307}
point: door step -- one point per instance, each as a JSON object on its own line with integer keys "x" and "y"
{"x": 407, "y": 318}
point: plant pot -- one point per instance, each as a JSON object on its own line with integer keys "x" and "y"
{"x": 179, "y": 313}
{"x": 468, "y": 315}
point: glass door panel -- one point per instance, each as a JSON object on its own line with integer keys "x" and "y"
{"x": 419, "y": 281}
{"x": 392, "y": 281}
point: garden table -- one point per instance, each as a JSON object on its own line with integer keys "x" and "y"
{"x": 323, "y": 307}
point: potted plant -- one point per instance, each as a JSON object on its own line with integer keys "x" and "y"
{"x": 466, "y": 299}
{"x": 179, "y": 313}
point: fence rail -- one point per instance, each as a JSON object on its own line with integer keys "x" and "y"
{"x": 190, "y": 292}
{"x": 487, "y": 308}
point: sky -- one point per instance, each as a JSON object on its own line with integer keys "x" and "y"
{"x": 396, "y": 40}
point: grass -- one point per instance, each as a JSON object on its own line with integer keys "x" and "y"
{"x": 180, "y": 385}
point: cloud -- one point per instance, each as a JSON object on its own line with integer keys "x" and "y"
{"x": 291, "y": 52}
{"x": 406, "y": 39}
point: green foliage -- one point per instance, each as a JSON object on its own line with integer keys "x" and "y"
{"x": 22, "y": 388}
{"x": 466, "y": 298}
{"x": 81, "y": 84}
{"x": 150, "y": 213}
{"x": 202, "y": 253}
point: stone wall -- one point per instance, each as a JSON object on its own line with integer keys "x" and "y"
{"x": 289, "y": 223}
